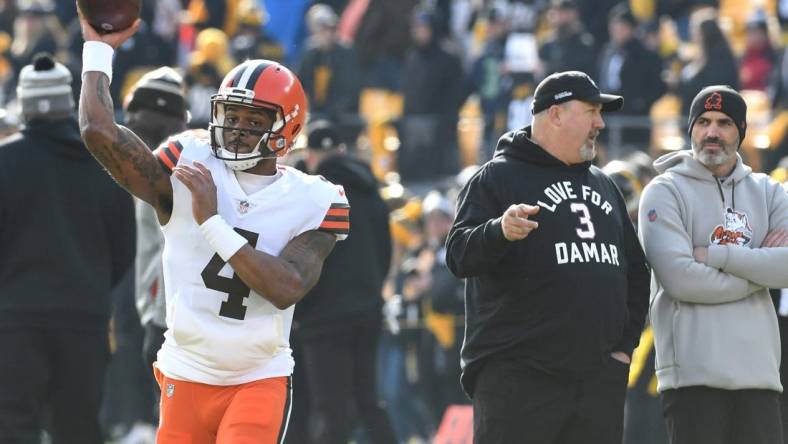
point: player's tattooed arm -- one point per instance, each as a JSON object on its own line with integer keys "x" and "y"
{"x": 127, "y": 159}
{"x": 286, "y": 278}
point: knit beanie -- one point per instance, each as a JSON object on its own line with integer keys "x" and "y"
{"x": 44, "y": 88}
{"x": 160, "y": 90}
{"x": 720, "y": 98}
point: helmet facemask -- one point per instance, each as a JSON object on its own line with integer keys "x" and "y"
{"x": 270, "y": 144}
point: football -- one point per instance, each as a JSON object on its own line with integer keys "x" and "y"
{"x": 110, "y": 15}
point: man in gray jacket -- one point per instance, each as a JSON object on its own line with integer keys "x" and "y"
{"x": 715, "y": 235}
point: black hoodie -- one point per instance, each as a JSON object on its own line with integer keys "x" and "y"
{"x": 351, "y": 283}
{"x": 565, "y": 297}
{"x": 66, "y": 230}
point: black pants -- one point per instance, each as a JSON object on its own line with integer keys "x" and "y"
{"x": 784, "y": 409}
{"x": 154, "y": 338}
{"x": 700, "y": 415}
{"x": 57, "y": 369}
{"x": 128, "y": 383}
{"x": 340, "y": 371}
{"x": 516, "y": 404}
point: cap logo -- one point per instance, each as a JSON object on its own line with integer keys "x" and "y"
{"x": 714, "y": 101}
{"x": 563, "y": 94}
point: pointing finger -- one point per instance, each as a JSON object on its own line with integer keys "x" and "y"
{"x": 529, "y": 210}
{"x": 525, "y": 210}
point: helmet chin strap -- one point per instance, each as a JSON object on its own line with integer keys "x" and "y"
{"x": 245, "y": 161}
{"x": 241, "y": 164}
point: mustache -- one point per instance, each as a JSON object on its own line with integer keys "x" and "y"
{"x": 715, "y": 140}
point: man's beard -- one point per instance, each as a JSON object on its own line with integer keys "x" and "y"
{"x": 714, "y": 159}
{"x": 588, "y": 151}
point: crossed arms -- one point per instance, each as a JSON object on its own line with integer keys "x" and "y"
{"x": 728, "y": 272}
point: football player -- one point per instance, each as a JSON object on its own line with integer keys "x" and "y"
{"x": 245, "y": 239}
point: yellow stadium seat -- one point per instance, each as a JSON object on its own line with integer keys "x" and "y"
{"x": 379, "y": 107}
{"x": 667, "y": 132}
{"x": 470, "y": 131}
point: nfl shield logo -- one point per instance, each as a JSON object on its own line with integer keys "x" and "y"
{"x": 170, "y": 390}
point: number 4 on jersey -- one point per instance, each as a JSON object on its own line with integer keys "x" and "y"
{"x": 235, "y": 288}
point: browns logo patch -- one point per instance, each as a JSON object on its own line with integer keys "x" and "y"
{"x": 714, "y": 101}
{"x": 735, "y": 230}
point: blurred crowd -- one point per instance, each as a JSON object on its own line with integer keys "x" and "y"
{"x": 422, "y": 90}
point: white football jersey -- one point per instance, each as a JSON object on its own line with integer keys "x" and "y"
{"x": 219, "y": 331}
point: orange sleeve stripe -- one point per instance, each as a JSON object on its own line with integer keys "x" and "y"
{"x": 166, "y": 160}
{"x": 168, "y": 155}
{"x": 336, "y": 219}
{"x": 176, "y": 148}
{"x": 338, "y": 212}
{"x": 335, "y": 224}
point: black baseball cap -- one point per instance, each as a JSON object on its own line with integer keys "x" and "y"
{"x": 564, "y": 86}
{"x": 322, "y": 135}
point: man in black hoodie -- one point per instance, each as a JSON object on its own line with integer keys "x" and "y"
{"x": 557, "y": 285}
{"x": 338, "y": 323}
{"x": 67, "y": 236}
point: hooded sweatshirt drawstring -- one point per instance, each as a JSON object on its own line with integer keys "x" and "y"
{"x": 733, "y": 193}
